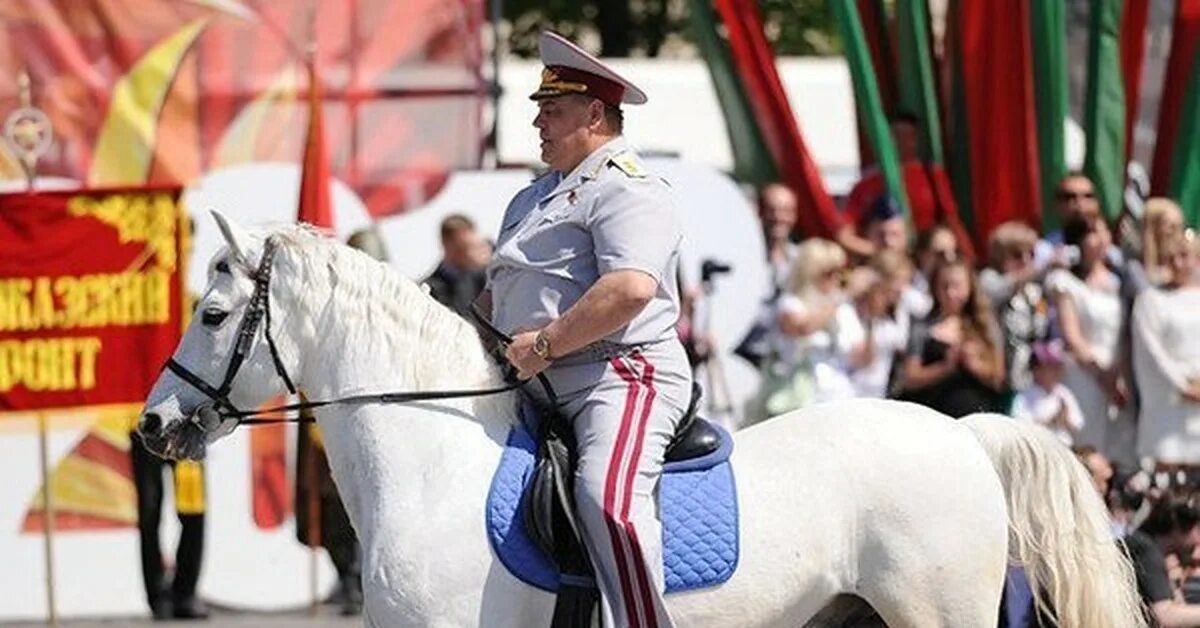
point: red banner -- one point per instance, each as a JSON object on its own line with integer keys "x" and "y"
{"x": 91, "y": 295}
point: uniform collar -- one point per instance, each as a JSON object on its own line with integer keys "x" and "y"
{"x": 591, "y": 166}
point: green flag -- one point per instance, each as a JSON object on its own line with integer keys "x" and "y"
{"x": 870, "y": 106}
{"x": 752, "y": 162}
{"x": 958, "y": 164}
{"x": 1104, "y": 107}
{"x": 1048, "y": 32}
{"x": 917, "y": 92}
{"x": 1185, "y": 162}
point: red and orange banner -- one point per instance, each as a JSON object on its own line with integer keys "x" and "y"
{"x": 162, "y": 92}
{"x": 91, "y": 295}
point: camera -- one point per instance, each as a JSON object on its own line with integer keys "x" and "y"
{"x": 711, "y": 268}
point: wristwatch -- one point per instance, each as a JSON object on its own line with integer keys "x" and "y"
{"x": 541, "y": 346}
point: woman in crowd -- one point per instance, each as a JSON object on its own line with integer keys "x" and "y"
{"x": 882, "y": 331}
{"x": 1166, "y": 349}
{"x": 809, "y": 364}
{"x": 955, "y": 359}
{"x": 1163, "y": 223}
{"x": 936, "y": 245}
{"x": 1013, "y": 284}
{"x": 1087, "y": 298}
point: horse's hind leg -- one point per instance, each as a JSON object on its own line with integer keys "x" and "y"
{"x": 948, "y": 602}
{"x": 938, "y": 579}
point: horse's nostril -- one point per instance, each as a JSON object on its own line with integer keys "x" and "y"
{"x": 151, "y": 424}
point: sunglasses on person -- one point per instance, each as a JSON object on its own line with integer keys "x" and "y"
{"x": 1068, "y": 195}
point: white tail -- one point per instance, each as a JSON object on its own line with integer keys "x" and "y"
{"x": 1058, "y": 528}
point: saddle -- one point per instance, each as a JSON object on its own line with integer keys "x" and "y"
{"x": 548, "y": 512}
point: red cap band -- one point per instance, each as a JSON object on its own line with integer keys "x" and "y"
{"x": 560, "y": 80}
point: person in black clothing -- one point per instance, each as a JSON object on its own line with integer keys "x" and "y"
{"x": 176, "y": 597}
{"x": 1173, "y": 527}
{"x": 321, "y": 519}
{"x": 459, "y": 277}
{"x": 955, "y": 358}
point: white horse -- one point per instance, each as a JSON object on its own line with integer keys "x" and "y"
{"x": 842, "y": 505}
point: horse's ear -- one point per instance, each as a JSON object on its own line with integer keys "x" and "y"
{"x": 235, "y": 237}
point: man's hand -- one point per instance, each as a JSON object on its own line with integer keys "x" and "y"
{"x": 520, "y": 354}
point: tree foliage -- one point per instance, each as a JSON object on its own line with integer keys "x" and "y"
{"x": 623, "y": 28}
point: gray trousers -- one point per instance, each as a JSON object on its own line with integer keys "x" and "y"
{"x": 624, "y": 409}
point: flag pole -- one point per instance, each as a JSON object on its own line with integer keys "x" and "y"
{"x": 47, "y": 518}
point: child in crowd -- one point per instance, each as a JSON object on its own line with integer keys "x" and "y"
{"x": 1047, "y": 402}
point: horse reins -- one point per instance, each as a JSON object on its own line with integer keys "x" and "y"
{"x": 258, "y": 311}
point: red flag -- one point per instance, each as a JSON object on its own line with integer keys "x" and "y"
{"x": 997, "y": 77}
{"x": 1133, "y": 47}
{"x": 316, "y": 198}
{"x": 756, "y": 64}
{"x": 1185, "y": 46}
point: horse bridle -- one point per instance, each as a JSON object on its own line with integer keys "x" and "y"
{"x": 259, "y": 311}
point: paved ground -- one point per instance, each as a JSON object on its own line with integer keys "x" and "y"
{"x": 327, "y": 617}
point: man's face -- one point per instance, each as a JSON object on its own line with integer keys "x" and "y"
{"x": 1076, "y": 196}
{"x": 778, "y": 211}
{"x": 908, "y": 140}
{"x": 466, "y": 249}
{"x": 888, "y": 234}
{"x": 562, "y": 123}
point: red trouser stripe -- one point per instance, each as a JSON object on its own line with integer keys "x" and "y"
{"x": 616, "y": 537}
{"x": 639, "y": 562}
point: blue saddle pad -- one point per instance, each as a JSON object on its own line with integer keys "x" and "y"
{"x": 698, "y": 499}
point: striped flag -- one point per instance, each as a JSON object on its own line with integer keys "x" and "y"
{"x": 875, "y": 23}
{"x": 870, "y": 105}
{"x": 995, "y": 74}
{"x": 755, "y": 63}
{"x": 1185, "y": 163}
{"x": 958, "y": 129}
{"x": 1173, "y": 117}
{"x": 751, "y": 160}
{"x": 1104, "y": 107}
{"x": 1048, "y": 32}
{"x": 1133, "y": 51}
{"x": 918, "y": 93}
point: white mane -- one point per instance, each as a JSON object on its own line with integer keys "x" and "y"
{"x": 356, "y": 301}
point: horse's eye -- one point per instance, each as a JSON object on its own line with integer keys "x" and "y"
{"x": 213, "y": 317}
{"x": 223, "y": 267}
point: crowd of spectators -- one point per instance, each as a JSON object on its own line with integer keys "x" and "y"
{"x": 1094, "y": 339}
{"x": 1091, "y": 335}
